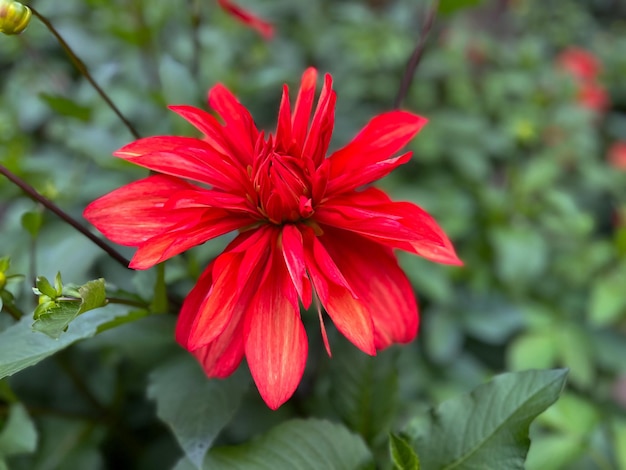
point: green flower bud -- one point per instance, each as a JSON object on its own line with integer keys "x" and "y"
{"x": 14, "y": 17}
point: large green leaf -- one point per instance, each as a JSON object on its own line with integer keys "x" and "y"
{"x": 364, "y": 390}
{"x": 293, "y": 445}
{"x": 20, "y": 347}
{"x": 194, "y": 407}
{"x": 487, "y": 428}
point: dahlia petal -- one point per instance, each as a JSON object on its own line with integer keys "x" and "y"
{"x": 132, "y": 214}
{"x": 203, "y": 198}
{"x": 400, "y": 225}
{"x": 263, "y": 27}
{"x": 212, "y": 223}
{"x": 293, "y": 253}
{"x": 383, "y": 136}
{"x": 283, "y": 128}
{"x": 187, "y": 158}
{"x": 349, "y": 315}
{"x": 216, "y": 309}
{"x": 239, "y": 130}
{"x": 222, "y": 357}
{"x": 276, "y": 343}
{"x": 321, "y": 130}
{"x": 351, "y": 180}
{"x": 302, "y": 108}
{"x": 379, "y": 283}
{"x": 191, "y": 305}
{"x": 205, "y": 123}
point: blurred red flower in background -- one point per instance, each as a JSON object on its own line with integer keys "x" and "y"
{"x": 580, "y": 63}
{"x": 585, "y": 67}
{"x": 616, "y": 155}
{"x": 309, "y": 232}
{"x": 263, "y": 27}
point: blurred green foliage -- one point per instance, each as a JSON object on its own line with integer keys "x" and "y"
{"x": 510, "y": 164}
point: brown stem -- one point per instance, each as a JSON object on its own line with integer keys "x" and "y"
{"x": 416, "y": 56}
{"x": 52, "y": 207}
{"x": 80, "y": 66}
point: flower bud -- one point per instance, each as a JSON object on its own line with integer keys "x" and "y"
{"x": 14, "y": 17}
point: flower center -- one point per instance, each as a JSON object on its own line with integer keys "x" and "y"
{"x": 282, "y": 183}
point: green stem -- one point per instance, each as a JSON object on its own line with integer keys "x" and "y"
{"x": 13, "y": 311}
{"x": 80, "y": 66}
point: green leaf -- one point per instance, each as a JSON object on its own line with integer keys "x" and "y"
{"x": 45, "y": 288}
{"x": 66, "y": 107}
{"x": 487, "y": 428}
{"x": 21, "y": 348}
{"x": 54, "y": 318}
{"x": 533, "y": 350}
{"x": 618, "y": 427}
{"x": 364, "y": 390}
{"x": 19, "y": 435}
{"x": 402, "y": 454}
{"x": 608, "y": 303}
{"x": 294, "y": 445}
{"x": 32, "y": 222}
{"x": 195, "y": 407}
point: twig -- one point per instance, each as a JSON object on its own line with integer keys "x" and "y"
{"x": 80, "y": 66}
{"x": 416, "y": 56}
{"x": 52, "y": 207}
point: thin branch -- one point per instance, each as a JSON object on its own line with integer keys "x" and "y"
{"x": 416, "y": 56}
{"x": 80, "y": 66}
{"x": 52, "y": 207}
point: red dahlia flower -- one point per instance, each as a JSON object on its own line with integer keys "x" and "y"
{"x": 309, "y": 232}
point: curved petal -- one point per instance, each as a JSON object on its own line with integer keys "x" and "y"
{"x": 134, "y": 213}
{"x": 350, "y": 315}
{"x": 276, "y": 343}
{"x": 188, "y": 158}
{"x": 302, "y": 108}
{"x": 321, "y": 130}
{"x": 191, "y": 305}
{"x": 216, "y": 309}
{"x": 203, "y": 198}
{"x": 351, "y": 180}
{"x": 380, "y": 284}
{"x": 205, "y": 123}
{"x": 283, "y": 127}
{"x": 382, "y": 137}
{"x": 222, "y": 357}
{"x": 293, "y": 254}
{"x": 210, "y": 224}
{"x": 400, "y": 225}
{"x": 239, "y": 128}
{"x": 224, "y": 353}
